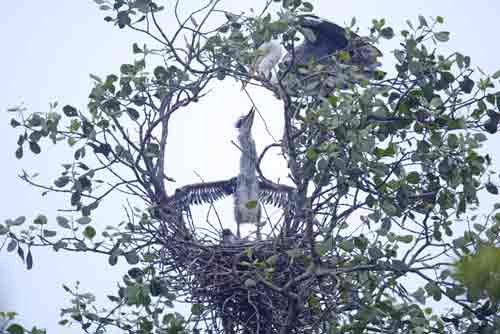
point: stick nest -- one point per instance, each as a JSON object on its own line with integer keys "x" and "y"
{"x": 252, "y": 286}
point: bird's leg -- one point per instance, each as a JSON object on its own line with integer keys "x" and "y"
{"x": 238, "y": 234}
{"x": 258, "y": 234}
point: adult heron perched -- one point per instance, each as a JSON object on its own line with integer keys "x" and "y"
{"x": 322, "y": 40}
{"x": 247, "y": 189}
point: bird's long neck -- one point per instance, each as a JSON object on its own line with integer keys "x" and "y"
{"x": 247, "y": 209}
{"x": 248, "y": 160}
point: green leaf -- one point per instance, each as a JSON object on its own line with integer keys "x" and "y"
{"x": 70, "y": 111}
{"x": 132, "y": 257}
{"x": 433, "y": 290}
{"x": 312, "y": 154}
{"x": 467, "y": 85}
{"x": 113, "y": 260}
{"x": 413, "y": 177}
{"x": 40, "y": 220}
{"x": 136, "y": 48}
{"x": 442, "y": 36}
{"x": 49, "y": 233}
{"x": 12, "y": 246}
{"x": 452, "y": 140}
{"x": 491, "y": 188}
{"x": 387, "y": 33}
{"x": 495, "y": 75}
{"x": 35, "y": 148}
{"x": 63, "y": 222}
{"x": 18, "y": 221}
{"x": 3, "y": 230}
{"x": 60, "y": 244}
{"x": 20, "y": 252}
{"x": 29, "y": 260}
{"x": 14, "y": 123}
{"x": 123, "y": 19}
{"x": 15, "y": 329}
{"x": 197, "y": 309}
{"x": 132, "y": 113}
{"x": 84, "y": 220}
{"x": 19, "y": 152}
{"x": 251, "y": 204}
{"x": 406, "y": 239}
{"x": 89, "y": 232}
{"x": 422, "y": 20}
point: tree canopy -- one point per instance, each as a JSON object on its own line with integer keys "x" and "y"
{"x": 384, "y": 232}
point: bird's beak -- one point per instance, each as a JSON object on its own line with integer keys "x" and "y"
{"x": 249, "y": 117}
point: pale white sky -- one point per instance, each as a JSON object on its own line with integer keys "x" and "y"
{"x": 51, "y": 46}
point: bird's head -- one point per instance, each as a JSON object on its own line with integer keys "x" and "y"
{"x": 245, "y": 122}
{"x": 226, "y": 232}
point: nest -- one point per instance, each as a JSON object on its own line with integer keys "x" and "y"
{"x": 249, "y": 287}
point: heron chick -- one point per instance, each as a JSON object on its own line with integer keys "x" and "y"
{"x": 248, "y": 190}
{"x": 247, "y": 209}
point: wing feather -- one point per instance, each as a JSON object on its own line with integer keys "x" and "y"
{"x": 201, "y": 193}
{"x": 278, "y": 195}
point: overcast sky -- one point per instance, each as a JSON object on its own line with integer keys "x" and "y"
{"x": 49, "y": 49}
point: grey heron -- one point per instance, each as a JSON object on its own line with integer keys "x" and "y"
{"x": 322, "y": 40}
{"x": 247, "y": 189}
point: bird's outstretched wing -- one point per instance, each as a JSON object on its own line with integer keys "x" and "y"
{"x": 275, "y": 194}
{"x": 201, "y": 193}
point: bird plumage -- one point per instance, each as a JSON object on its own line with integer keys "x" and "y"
{"x": 323, "y": 38}
{"x": 275, "y": 194}
{"x": 247, "y": 209}
{"x": 271, "y": 53}
{"x": 247, "y": 189}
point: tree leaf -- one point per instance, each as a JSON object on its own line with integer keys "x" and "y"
{"x": 49, "y": 233}
{"x": 63, "y": 222}
{"x": 89, "y": 232}
{"x": 467, "y": 85}
{"x": 40, "y": 220}
{"x": 70, "y": 111}
{"x": 84, "y": 220}
{"x": 18, "y": 221}
{"x": 14, "y": 123}
{"x": 132, "y": 257}
{"x": 491, "y": 188}
{"x": 19, "y": 152}
{"x": 112, "y": 260}
{"x": 35, "y": 148}
{"x": 442, "y": 36}
{"x": 251, "y": 204}
{"x": 20, "y": 252}
{"x": 12, "y": 246}
{"x": 387, "y": 33}
{"x": 29, "y": 260}
{"x": 15, "y": 329}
